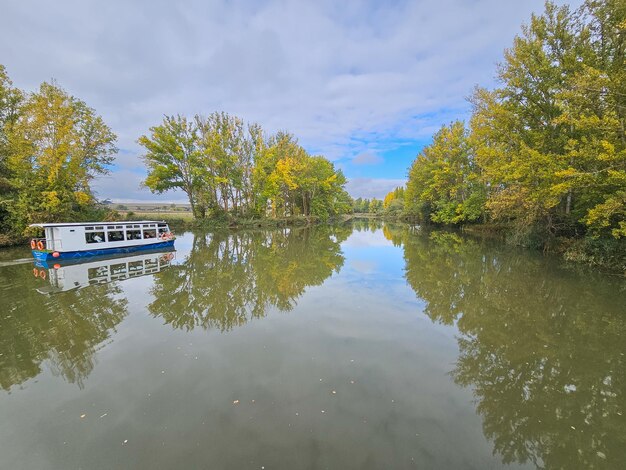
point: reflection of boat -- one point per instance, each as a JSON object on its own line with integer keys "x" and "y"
{"x": 78, "y": 240}
{"x": 63, "y": 276}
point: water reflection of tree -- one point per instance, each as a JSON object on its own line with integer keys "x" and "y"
{"x": 64, "y": 329}
{"x": 365, "y": 224}
{"x": 229, "y": 278}
{"x": 543, "y": 348}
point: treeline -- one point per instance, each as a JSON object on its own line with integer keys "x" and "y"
{"x": 229, "y": 168}
{"x": 367, "y": 206}
{"x": 545, "y": 152}
{"x": 391, "y": 205}
{"x": 52, "y": 145}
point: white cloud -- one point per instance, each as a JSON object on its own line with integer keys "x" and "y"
{"x": 372, "y": 187}
{"x": 125, "y": 186}
{"x": 343, "y": 76}
{"x": 367, "y": 158}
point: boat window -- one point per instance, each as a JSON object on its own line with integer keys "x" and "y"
{"x": 133, "y": 234}
{"x": 149, "y": 233}
{"x": 88, "y": 228}
{"x": 100, "y": 228}
{"x": 162, "y": 230}
{"x": 115, "y": 236}
{"x": 97, "y": 273}
{"x": 135, "y": 266}
{"x": 152, "y": 263}
{"x": 119, "y": 268}
{"x": 94, "y": 237}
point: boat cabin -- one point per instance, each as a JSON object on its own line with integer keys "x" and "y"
{"x": 87, "y": 236}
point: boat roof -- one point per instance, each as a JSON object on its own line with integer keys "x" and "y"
{"x": 80, "y": 224}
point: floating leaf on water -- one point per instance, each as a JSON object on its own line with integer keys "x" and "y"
{"x": 236, "y": 402}
{"x": 601, "y": 455}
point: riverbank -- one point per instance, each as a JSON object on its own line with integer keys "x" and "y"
{"x": 605, "y": 253}
{"x": 608, "y": 254}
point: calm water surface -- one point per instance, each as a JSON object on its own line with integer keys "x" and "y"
{"x": 359, "y": 346}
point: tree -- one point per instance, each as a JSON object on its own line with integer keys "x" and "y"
{"x": 228, "y": 151}
{"x": 57, "y": 145}
{"x": 550, "y": 140}
{"x": 375, "y": 206}
{"x": 393, "y": 204}
{"x": 10, "y": 102}
{"x": 173, "y": 159}
{"x": 444, "y": 183}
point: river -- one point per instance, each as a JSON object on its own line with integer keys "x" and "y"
{"x": 364, "y": 346}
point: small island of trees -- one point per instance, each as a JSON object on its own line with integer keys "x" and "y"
{"x": 229, "y": 168}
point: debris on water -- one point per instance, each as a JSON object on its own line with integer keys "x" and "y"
{"x": 125, "y": 442}
{"x": 323, "y": 411}
{"x": 82, "y": 416}
{"x": 297, "y": 414}
{"x": 573, "y": 428}
{"x": 162, "y": 372}
{"x": 352, "y": 381}
{"x": 235, "y": 402}
{"x": 252, "y": 401}
{"x": 104, "y": 415}
{"x": 334, "y": 392}
{"x": 351, "y": 360}
{"x": 601, "y": 455}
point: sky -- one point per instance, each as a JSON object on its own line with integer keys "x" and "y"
{"x": 364, "y": 83}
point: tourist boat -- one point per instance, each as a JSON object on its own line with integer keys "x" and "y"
{"x": 77, "y": 273}
{"x": 78, "y": 240}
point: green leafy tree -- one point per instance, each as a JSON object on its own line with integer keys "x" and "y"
{"x": 10, "y": 102}
{"x": 444, "y": 183}
{"x": 375, "y": 206}
{"x": 57, "y": 145}
{"x": 173, "y": 158}
{"x": 550, "y": 140}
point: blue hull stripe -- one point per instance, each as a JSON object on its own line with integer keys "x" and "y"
{"x": 64, "y": 255}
